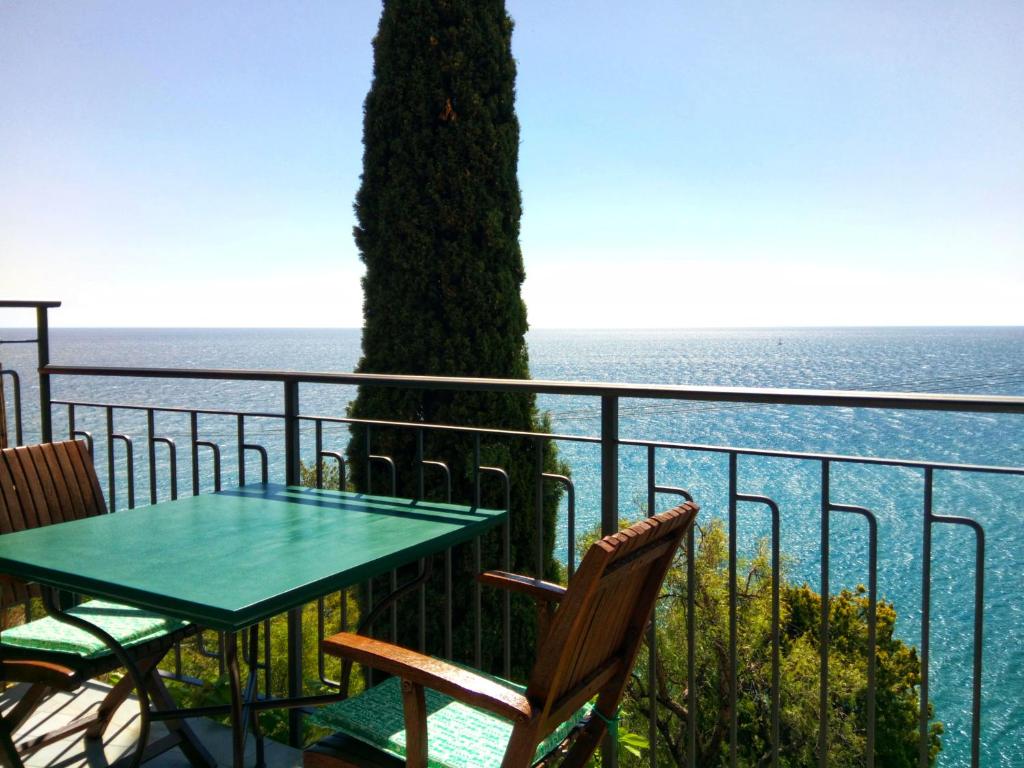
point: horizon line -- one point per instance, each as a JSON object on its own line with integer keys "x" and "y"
{"x": 811, "y": 326}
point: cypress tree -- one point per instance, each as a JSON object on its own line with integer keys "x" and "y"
{"x": 438, "y": 229}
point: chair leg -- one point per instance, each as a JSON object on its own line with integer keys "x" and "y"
{"x": 415, "y": 709}
{"x": 9, "y": 757}
{"x": 590, "y": 738}
{"x": 26, "y": 705}
{"x": 521, "y": 747}
{"x": 116, "y": 697}
{"x": 585, "y": 744}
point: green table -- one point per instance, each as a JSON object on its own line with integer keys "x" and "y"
{"x": 231, "y": 559}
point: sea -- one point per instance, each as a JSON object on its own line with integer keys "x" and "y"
{"x": 945, "y": 360}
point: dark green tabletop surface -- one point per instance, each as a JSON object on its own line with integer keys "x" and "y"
{"x": 228, "y": 559}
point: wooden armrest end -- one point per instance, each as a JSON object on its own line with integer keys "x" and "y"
{"x": 538, "y": 589}
{"x": 47, "y": 673}
{"x": 462, "y": 684}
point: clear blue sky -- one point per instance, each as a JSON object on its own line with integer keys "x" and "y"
{"x": 682, "y": 163}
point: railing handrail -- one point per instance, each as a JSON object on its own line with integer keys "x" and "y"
{"x": 10, "y": 304}
{"x": 750, "y": 395}
{"x": 838, "y": 458}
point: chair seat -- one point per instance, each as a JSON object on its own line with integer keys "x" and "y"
{"x": 458, "y": 736}
{"x": 129, "y": 626}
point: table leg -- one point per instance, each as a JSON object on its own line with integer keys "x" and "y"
{"x": 237, "y": 726}
{"x": 252, "y": 694}
{"x": 295, "y": 675}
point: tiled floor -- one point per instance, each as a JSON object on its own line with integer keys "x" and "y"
{"x": 120, "y": 739}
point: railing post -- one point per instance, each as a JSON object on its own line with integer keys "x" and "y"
{"x": 609, "y": 464}
{"x": 43, "y": 348}
{"x": 293, "y": 477}
{"x": 609, "y": 519}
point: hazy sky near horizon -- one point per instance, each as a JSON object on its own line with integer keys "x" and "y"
{"x": 181, "y": 163}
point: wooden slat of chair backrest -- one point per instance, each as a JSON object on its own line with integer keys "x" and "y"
{"x": 41, "y": 485}
{"x": 598, "y": 628}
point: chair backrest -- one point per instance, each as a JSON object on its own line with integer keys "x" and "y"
{"x": 594, "y": 636}
{"x": 45, "y": 484}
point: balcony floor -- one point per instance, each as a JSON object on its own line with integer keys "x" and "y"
{"x": 76, "y": 752}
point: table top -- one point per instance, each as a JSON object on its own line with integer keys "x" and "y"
{"x": 226, "y": 560}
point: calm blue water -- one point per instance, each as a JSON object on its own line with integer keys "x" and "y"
{"x": 952, "y": 360}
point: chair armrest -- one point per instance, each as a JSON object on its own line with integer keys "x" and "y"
{"x": 49, "y": 674}
{"x": 538, "y": 589}
{"x": 462, "y": 684}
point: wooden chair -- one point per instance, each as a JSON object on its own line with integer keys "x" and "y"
{"x": 585, "y": 654}
{"x": 55, "y": 483}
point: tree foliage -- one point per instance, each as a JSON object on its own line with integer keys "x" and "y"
{"x": 438, "y": 229}
{"x": 898, "y": 671}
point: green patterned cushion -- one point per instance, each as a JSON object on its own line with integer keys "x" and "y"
{"x": 129, "y": 626}
{"x": 458, "y": 736}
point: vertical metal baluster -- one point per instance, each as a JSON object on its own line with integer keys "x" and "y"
{"x": 571, "y": 523}
{"x": 90, "y": 447}
{"x": 292, "y": 447}
{"x": 506, "y": 564}
{"x": 369, "y": 461}
{"x": 394, "y": 608}
{"x": 926, "y": 612}
{"x": 3, "y": 444}
{"x": 215, "y": 449}
{"x": 477, "y": 607}
{"x": 506, "y": 560}
{"x": 979, "y": 606}
{"x": 292, "y": 436}
{"x": 448, "y": 603}
{"x": 872, "y": 620}
{"x": 477, "y": 564}
{"x": 979, "y": 617}
{"x": 71, "y": 421}
{"x": 394, "y": 573}
{"x": 733, "y": 663}
{"x": 776, "y": 651}
{"x": 151, "y": 452}
{"x": 609, "y": 512}
{"x": 321, "y": 633}
{"x": 193, "y": 424}
{"x": 111, "y": 481}
{"x": 267, "y": 677}
{"x": 172, "y": 458}
{"x": 19, "y": 438}
{"x": 538, "y": 502}
{"x": 319, "y": 440}
{"x": 19, "y": 421}
{"x": 264, "y": 462}
{"x": 422, "y": 639}
{"x": 823, "y": 708}
{"x": 130, "y": 461}
{"x": 240, "y": 446}
{"x": 691, "y": 647}
{"x": 872, "y": 634}
{"x": 320, "y": 603}
{"x": 43, "y": 356}
{"x": 652, "y": 634}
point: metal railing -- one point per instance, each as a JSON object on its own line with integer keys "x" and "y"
{"x": 42, "y": 342}
{"x": 118, "y": 426}
{"x": 609, "y": 443}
